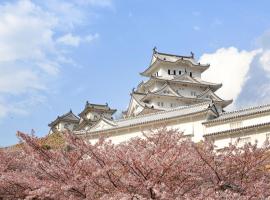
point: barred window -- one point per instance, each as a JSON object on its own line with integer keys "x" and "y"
{"x": 235, "y": 125}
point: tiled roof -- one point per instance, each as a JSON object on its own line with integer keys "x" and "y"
{"x": 70, "y": 116}
{"x": 186, "y": 79}
{"x": 240, "y": 113}
{"x": 161, "y": 115}
{"x": 171, "y": 58}
{"x": 238, "y": 129}
{"x": 174, "y": 58}
{"x": 102, "y": 107}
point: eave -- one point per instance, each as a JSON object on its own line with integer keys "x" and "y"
{"x": 239, "y": 114}
{"x": 153, "y": 95}
{"x": 88, "y": 109}
{"x": 63, "y": 118}
{"x": 238, "y": 130}
{"x": 155, "y": 117}
{"x": 57, "y": 120}
{"x": 214, "y": 87}
{"x": 198, "y": 66}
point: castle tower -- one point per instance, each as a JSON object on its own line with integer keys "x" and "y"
{"x": 173, "y": 81}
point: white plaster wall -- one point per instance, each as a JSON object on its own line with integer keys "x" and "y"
{"x": 163, "y": 70}
{"x": 167, "y": 103}
{"x": 252, "y": 120}
{"x": 254, "y": 136}
{"x": 192, "y": 127}
{"x": 120, "y": 138}
{"x": 91, "y": 115}
{"x": 61, "y": 126}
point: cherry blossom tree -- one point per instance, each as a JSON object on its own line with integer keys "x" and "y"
{"x": 162, "y": 165}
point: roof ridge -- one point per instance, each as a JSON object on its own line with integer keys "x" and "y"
{"x": 194, "y": 63}
{"x": 164, "y": 111}
{"x": 169, "y": 54}
{"x": 66, "y": 114}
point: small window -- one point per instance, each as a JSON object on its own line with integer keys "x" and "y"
{"x": 193, "y": 93}
{"x": 174, "y": 72}
{"x": 171, "y": 105}
{"x": 180, "y": 72}
{"x": 169, "y": 71}
{"x": 190, "y": 73}
{"x": 162, "y": 104}
{"x": 158, "y": 103}
{"x": 157, "y": 73}
{"x": 267, "y": 136}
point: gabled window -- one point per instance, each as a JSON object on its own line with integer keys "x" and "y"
{"x": 166, "y": 92}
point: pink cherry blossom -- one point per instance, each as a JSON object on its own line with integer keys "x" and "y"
{"x": 162, "y": 165}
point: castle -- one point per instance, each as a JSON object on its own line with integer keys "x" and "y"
{"x": 174, "y": 96}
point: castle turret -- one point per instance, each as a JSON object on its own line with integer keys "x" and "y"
{"x": 93, "y": 113}
{"x": 68, "y": 121}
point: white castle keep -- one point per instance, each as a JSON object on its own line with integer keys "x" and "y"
{"x": 174, "y": 96}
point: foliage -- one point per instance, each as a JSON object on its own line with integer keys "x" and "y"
{"x": 162, "y": 165}
{"x": 52, "y": 141}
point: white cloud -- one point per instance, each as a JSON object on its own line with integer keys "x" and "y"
{"x": 72, "y": 40}
{"x": 265, "y": 60}
{"x": 73, "y": 12}
{"x": 90, "y": 37}
{"x": 229, "y": 66}
{"x": 25, "y": 31}
{"x": 69, "y": 39}
{"x": 19, "y": 81}
{"x": 103, "y": 3}
{"x": 26, "y": 48}
{"x": 30, "y": 56}
{"x": 8, "y": 109}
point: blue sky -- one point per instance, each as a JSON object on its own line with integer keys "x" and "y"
{"x": 56, "y": 54}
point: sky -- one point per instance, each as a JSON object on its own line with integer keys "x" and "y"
{"x": 55, "y": 55}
